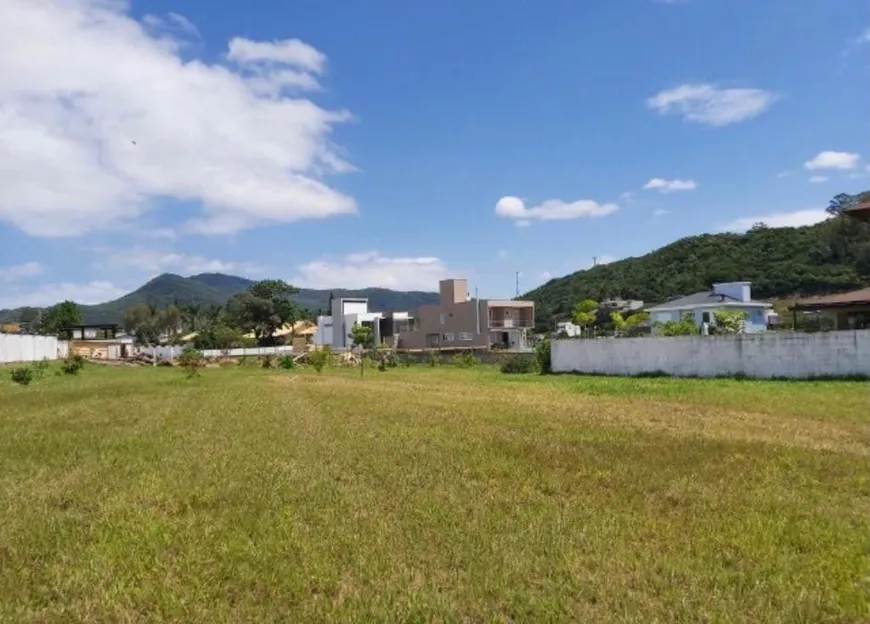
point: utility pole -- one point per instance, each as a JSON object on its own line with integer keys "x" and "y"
{"x": 517, "y": 274}
{"x": 594, "y": 260}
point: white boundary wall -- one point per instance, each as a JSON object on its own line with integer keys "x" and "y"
{"x": 24, "y": 348}
{"x": 772, "y": 354}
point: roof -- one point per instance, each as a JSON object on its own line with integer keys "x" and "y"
{"x": 298, "y": 328}
{"x": 702, "y": 299}
{"x": 855, "y": 297}
{"x": 860, "y": 212}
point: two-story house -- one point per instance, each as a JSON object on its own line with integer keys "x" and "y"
{"x": 458, "y": 321}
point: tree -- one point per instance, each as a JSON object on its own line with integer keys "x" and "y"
{"x": 28, "y": 316}
{"x": 730, "y": 321}
{"x": 841, "y": 202}
{"x": 684, "y": 327}
{"x": 637, "y": 320}
{"x": 585, "y": 313}
{"x": 148, "y": 324}
{"x": 191, "y": 315}
{"x": 619, "y": 322}
{"x": 59, "y": 316}
{"x": 264, "y": 308}
{"x": 361, "y": 338}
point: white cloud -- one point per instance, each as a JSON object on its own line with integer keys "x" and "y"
{"x": 49, "y": 294}
{"x": 102, "y": 118}
{"x": 365, "y": 269}
{"x": 546, "y": 276}
{"x": 658, "y": 212}
{"x": 796, "y": 218}
{"x": 502, "y": 253}
{"x": 832, "y": 160}
{"x": 172, "y": 22}
{"x": 710, "y": 105}
{"x": 670, "y": 186}
{"x": 20, "y": 271}
{"x": 551, "y": 210}
{"x": 161, "y": 261}
{"x": 818, "y": 179}
{"x": 291, "y": 52}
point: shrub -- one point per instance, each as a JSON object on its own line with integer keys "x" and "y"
{"x": 433, "y": 358}
{"x": 405, "y": 361}
{"x": 39, "y": 369}
{"x": 22, "y": 375}
{"x": 319, "y": 358}
{"x": 519, "y": 364}
{"x": 72, "y": 364}
{"x": 287, "y": 362}
{"x": 191, "y": 361}
{"x": 267, "y": 360}
{"x": 382, "y": 366}
{"x": 542, "y": 356}
{"x": 465, "y": 360}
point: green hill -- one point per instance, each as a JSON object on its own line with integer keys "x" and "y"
{"x": 832, "y": 256}
{"x": 216, "y": 288}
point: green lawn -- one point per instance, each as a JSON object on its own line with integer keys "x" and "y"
{"x": 428, "y": 494}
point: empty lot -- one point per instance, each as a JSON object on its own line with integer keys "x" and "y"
{"x": 431, "y": 494}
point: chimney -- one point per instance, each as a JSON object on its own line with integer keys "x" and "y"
{"x": 738, "y": 291}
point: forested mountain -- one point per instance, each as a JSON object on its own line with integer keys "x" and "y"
{"x": 215, "y": 288}
{"x": 831, "y": 256}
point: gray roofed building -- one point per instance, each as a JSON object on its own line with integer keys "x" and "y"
{"x": 702, "y": 305}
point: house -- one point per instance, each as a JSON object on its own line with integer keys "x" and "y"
{"x": 861, "y": 211}
{"x": 703, "y": 305}
{"x": 99, "y": 341}
{"x": 334, "y": 330}
{"x": 849, "y": 310}
{"x": 458, "y": 321}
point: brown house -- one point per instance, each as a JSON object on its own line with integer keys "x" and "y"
{"x": 458, "y": 322}
{"x": 849, "y": 310}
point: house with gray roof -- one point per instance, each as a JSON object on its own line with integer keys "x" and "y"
{"x": 703, "y": 305}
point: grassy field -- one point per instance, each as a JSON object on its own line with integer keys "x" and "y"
{"x": 424, "y": 494}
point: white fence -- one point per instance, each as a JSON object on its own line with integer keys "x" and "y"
{"x": 18, "y": 348}
{"x": 772, "y": 354}
{"x": 211, "y": 353}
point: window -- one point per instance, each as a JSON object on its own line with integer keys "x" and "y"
{"x": 442, "y": 318}
{"x": 448, "y": 337}
{"x": 466, "y": 336}
{"x": 705, "y": 317}
{"x": 433, "y": 340}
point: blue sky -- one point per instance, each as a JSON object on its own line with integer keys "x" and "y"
{"x": 392, "y": 143}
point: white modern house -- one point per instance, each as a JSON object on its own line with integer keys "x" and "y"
{"x": 334, "y": 330}
{"x": 703, "y": 305}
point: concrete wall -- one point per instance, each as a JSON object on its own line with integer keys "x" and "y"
{"x": 773, "y": 354}
{"x": 18, "y": 348}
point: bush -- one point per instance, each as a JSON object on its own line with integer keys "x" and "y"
{"x": 465, "y": 360}
{"x": 22, "y": 375}
{"x": 39, "y": 369}
{"x": 519, "y": 364}
{"x": 287, "y": 362}
{"x": 319, "y": 358}
{"x": 72, "y": 364}
{"x": 266, "y": 361}
{"x": 191, "y": 361}
{"x": 542, "y": 356}
{"x": 433, "y": 358}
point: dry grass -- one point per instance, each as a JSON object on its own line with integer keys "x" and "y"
{"x": 431, "y": 495}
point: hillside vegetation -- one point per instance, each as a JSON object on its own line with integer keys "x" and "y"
{"x": 214, "y": 289}
{"x": 831, "y": 256}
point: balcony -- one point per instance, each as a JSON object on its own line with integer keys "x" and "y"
{"x": 511, "y": 323}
